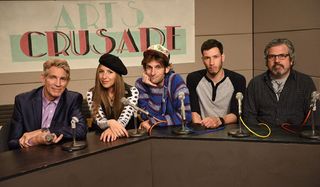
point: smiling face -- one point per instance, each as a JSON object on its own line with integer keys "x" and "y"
{"x": 156, "y": 72}
{"x": 55, "y": 82}
{"x": 278, "y": 61}
{"x": 107, "y": 76}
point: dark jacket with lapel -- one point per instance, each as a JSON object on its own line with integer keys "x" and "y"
{"x": 27, "y": 116}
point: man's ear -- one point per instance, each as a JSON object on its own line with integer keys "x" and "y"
{"x": 292, "y": 63}
{"x": 42, "y": 78}
{"x": 167, "y": 69}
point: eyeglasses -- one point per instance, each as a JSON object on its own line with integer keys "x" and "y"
{"x": 280, "y": 56}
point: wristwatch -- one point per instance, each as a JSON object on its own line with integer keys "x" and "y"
{"x": 222, "y": 120}
{"x": 48, "y": 138}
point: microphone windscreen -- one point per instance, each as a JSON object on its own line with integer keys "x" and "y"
{"x": 239, "y": 96}
{"x": 75, "y": 119}
{"x": 315, "y": 95}
{"x": 181, "y": 95}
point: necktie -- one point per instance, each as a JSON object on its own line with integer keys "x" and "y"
{"x": 277, "y": 88}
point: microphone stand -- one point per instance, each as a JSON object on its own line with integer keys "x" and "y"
{"x": 182, "y": 130}
{"x": 136, "y": 132}
{"x": 239, "y": 133}
{"x": 74, "y": 145}
{"x": 233, "y": 131}
{"x": 313, "y": 134}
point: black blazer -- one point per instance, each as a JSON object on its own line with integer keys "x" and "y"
{"x": 27, "y": 116}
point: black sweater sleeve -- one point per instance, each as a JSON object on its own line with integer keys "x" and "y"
{"x": 193, "y": 80}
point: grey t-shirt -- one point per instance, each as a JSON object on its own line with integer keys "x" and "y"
{"x": 218, "y": 100}
{"x": 218, "y": 105}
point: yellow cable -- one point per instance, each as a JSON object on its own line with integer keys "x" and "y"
{"x": 254, "y": 133}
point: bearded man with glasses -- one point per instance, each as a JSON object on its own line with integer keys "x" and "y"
{"x": 281, "y": 95}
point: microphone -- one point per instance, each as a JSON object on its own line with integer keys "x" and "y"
{"x": 183, "y": 130}
{"x": 74, "y": 121}
{"x": 125, "y": 101}
{"x": 74, "y": 145}
{"x": 239, "y": 133}
{"x": 239, "y": 97}
{"x": 135, "y": 132}
{"x": 314, "y": 97}
{"x": 313, "y": 133}
{"x": 181, "y": 97}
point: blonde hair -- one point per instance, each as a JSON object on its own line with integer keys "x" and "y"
{"x": 59, "y": 63}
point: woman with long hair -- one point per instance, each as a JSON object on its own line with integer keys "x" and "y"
{"x": 104, "y": 99}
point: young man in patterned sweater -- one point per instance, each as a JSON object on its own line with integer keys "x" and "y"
{"x": 159, "y": 89}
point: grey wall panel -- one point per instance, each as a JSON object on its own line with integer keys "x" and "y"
{"x": 279, "y": 15}
{"x": 223, "y": 16}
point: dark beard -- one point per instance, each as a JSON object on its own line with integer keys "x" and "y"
{"x": 214, "y": 73}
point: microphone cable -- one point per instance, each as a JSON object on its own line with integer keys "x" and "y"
{"x": 254, "y": 133}
{"x": 285, "y": 126}
{"x": 158, "y": 121}
{"x": 289, "y": 128}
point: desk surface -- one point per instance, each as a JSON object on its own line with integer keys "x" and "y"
{"x": 23, "y": 161}
{"x": 20, "y": 162}
{"x": 278, "y": 135}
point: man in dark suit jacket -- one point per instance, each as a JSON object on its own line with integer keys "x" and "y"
{"x": 43, "y": 115}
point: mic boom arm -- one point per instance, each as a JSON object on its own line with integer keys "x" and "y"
{"x": 127, "y": 102}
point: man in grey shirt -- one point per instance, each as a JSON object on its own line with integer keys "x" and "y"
{"x": 213, "y": 89}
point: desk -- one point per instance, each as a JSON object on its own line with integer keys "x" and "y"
{"x": 203, "y": 159}
{"x": 100, "y": 164}
{"x": 216, "y": 159}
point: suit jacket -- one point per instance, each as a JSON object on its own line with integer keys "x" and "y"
{"x": 27, "y": 116}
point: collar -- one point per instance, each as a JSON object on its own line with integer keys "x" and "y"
{"x": 210, "y": 80}
{"x": 45, "y": 101}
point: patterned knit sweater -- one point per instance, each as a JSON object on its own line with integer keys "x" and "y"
{"x": 163, "y": 103}
{"x": 126, "y": 114}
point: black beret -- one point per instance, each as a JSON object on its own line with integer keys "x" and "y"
{"x": 114, "y": 63}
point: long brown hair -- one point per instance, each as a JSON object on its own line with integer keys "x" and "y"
{"x": 100, "y": 96}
